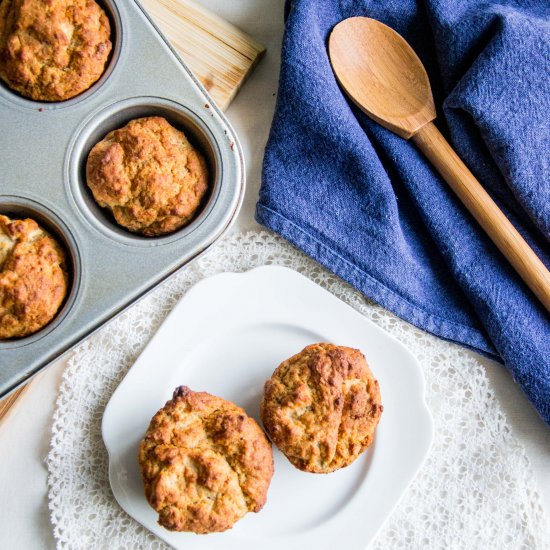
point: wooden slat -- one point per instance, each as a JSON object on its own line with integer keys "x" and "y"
{"x": 7, "y": 403}
{"x": 219, "y": 54}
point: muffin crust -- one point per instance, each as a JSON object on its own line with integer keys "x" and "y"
{"x": 33, "y": 279}
{"x": 321, "y": 407}
{"x": 148, "y": 175}
{"x": 53, "y": 50}
{"x": 204, "y": 463}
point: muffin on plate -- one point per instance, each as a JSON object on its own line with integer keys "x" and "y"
{"x": 204, "y": 462}
{"x": 54, "y": 50}
{"x": 148, "y": 175}
{"x": 33, "y": 277}
{"x": 321, "y": 407}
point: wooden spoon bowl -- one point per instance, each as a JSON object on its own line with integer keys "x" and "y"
{"x": 382, "y": 74}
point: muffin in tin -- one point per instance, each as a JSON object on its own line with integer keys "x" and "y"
{"x": 33, "y": 277}
{"x": 321, "y": 407}
{"x": 149, "y": 176}
{"x": 54, "y": 50}
{"x": 204, "y": 462}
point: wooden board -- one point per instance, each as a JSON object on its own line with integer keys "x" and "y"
{"x": 219, "y": 54}
{"x": 7, "y": 403}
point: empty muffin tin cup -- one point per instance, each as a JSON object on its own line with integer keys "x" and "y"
{"x": 115, "y": 116}
{"x": 20, "y": 208}
{"x": 20, "y": 101}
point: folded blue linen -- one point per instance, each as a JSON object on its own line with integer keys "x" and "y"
{"x": 367, "y": 205}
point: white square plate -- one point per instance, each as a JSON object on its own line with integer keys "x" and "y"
{"x": 226, "y": 336}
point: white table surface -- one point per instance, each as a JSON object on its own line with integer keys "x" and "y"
{"x": 25, "y": 434}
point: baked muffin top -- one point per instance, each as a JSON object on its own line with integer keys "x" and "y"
{"x": 321, "y": 407}
{"x": 204, "y": 463}
{"x": 33, "y": 280}
{"x": 149, "y": 176}
{"x": 52, "y": 50}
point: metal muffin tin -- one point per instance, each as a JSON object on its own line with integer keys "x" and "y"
{"x": 44, "y": 150}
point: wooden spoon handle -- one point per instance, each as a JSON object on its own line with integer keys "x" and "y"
{"x": 528, "y": 265}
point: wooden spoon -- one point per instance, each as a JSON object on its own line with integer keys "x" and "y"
{"x": 385, "y": 78}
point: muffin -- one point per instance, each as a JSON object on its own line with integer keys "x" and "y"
{"x": 52, "y": 50}
{"x": 33, "y": 278}
{"x": 148, "y": 175}
{"x": 204, "y": 463}
{"x": 321, "y": 407}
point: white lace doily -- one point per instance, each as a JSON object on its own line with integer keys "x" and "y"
{"x": 475, "y": 490}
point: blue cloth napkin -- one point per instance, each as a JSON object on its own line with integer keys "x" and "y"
{"x": 367, "y": 205}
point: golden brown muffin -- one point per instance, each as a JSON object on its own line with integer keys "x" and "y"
{"x": 33, "y": 279}
{"x": 321, "y": 407}
{"x": 149, "y": 176}
{"x": 52, "y": 50}
{"x": 204, "y": 463}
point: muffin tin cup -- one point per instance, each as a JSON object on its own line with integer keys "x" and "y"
{"x": 45, "y": 147}
{"x": 19, "y": 101}
{"x": 116, "y": 116}
{"x": 21, "y": 208}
